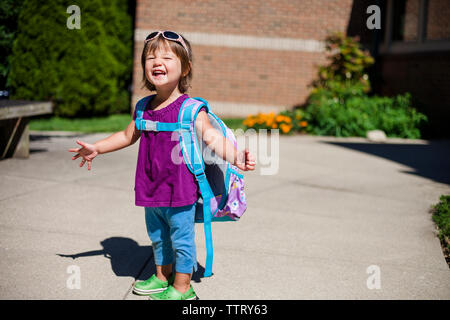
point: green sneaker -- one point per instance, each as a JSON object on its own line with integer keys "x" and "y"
{"x": 152, "y": 285}
{"x": 173, "y": 294}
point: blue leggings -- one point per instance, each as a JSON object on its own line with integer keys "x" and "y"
{"x": 172, "y": 229}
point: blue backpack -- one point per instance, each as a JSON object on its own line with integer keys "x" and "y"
{"x": 221, "y": 185}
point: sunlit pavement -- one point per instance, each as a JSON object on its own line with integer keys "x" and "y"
{"x": 327, "y": 218}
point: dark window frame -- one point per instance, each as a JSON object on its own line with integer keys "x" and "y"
{"x": 390, "y": 45}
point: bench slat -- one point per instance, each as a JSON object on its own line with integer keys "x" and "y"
{"x": 24, "y": 110}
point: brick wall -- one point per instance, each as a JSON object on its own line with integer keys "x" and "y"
{"x": 438, "y": 22}
{"x": 259, "y": 56}
{"x": 269, "y": 56}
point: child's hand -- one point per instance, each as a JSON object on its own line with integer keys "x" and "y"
{"x": 88, "y": 152}
{"x": 245, "y": 160}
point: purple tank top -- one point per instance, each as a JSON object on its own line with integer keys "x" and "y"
{"x": 161, "y": 182}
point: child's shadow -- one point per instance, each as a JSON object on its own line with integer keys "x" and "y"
{"x": 129, "y": 259}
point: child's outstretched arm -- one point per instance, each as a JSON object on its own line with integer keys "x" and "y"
{"x": 114, "y": 142}
{"x": 221, "y": 146}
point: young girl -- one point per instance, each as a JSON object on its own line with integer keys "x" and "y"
{"x": 168, "y": 190}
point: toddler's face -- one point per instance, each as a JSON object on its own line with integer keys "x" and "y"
{"x": 163, "y": 68}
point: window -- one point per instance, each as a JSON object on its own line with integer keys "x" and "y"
{"x": 406, "y": 20}
{"x": 416, "y": 25}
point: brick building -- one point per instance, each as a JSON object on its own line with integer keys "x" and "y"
{"x": 259, "y": 56}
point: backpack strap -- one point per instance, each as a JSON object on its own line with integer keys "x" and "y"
{"x": 188, "y": 138}
{"x": 140, "y": 107}
{"x": 150, "y": 125}
{"x": 193, "y": 158}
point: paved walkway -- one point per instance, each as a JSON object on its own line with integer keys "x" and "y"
{"x": 340, "y": 216}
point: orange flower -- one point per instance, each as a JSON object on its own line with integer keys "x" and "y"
{"x": 279, "y": 118}
{"x": 274, "y": 126}
{"x": 287, "y": 119}
{"x": 270, "y": 118}
{"x": 303, "y": 123}
{"x": 285, "y": 128}
{"x": 249, "y": 122}
{"x": 260, "y": 118}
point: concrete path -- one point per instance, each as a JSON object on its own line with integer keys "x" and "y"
{"x": 339, "y": 217}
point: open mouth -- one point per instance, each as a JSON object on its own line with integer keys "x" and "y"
{"x": 158, "y": 74}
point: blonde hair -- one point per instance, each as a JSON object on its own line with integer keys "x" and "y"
{"x": 185, "y": 57}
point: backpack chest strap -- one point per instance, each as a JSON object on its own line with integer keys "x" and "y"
{"x": 150, "y": 125}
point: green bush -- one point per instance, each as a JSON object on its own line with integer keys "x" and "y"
{"x": 85, "y": 71}
{"x": 337, "y": 89}
{"x": 339, "y": 105}
{"x": 354, "y": 116}
{"x": 348, "y": 64}
{"x": 441, "y": 216}
{"x": 9, "y": 12}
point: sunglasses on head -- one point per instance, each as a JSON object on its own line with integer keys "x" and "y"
{"x": 169, "y": 35}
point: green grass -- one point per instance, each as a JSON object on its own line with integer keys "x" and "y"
{"x": 111, "y": 123}
{"x": 234, "y": 123}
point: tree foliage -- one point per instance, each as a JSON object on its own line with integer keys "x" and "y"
{"x": 86, "y": 71}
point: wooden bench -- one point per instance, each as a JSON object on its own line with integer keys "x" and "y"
{"x": 14, "y": 125}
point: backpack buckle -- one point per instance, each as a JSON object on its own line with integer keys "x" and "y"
{"x": 186, "y": 126}
{"x": 200, "y": 177}
{"x": 148, "y": 125}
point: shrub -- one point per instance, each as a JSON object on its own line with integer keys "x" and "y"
{"x": 348, "y": 63}
{"x": 9, "y": 12}
{"x": 336, "y": 89}
{"x": 441, "y": 216}
{"x": 339, "y": 105}
{"x": 86, "y": 71}
{"x": 356, "y": 115}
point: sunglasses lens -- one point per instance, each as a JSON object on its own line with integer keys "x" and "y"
{"x": 171, "y": 35}
{"x": 151, "y": 35}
